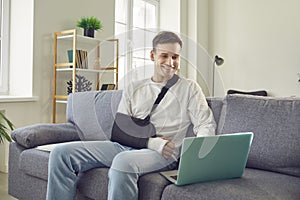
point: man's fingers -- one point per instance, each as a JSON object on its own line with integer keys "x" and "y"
{"x": 170, "y": 146}
{"x": 168, "y": 149}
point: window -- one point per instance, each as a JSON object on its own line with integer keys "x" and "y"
{"x": 4, "y": 45}
{"x": 136, "y": 23}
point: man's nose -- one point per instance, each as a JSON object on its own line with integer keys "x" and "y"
{"x": 170, "y": 61}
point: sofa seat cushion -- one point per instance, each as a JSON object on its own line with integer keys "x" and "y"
{"x": 93, "y": 185}
{"x": 275, "y": 124}
{"x": 151, "y": 186}
{"x": 254, "y": 185}
{"x": 35, "y": 163}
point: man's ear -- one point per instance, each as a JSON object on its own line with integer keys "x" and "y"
{"x": 152, "y": 55}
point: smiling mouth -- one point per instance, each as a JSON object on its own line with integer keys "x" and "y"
{"x": 168, "y": 67}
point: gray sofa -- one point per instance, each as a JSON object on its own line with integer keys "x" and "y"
{"x": 273, "y": 167}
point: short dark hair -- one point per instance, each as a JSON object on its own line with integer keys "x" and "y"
{"x": 164, "y": 37}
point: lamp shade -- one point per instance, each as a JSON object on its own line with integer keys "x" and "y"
{"x": 218, "y": 60}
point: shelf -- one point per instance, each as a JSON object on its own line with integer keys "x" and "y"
{"x": 62, "y": 101}
{"x": 63, "y": 64}
{"x": 61, "y": 97}
{"x": 86, "y": 70}
{"x": 80, "y": 38}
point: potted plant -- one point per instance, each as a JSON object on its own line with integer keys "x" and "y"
{"x": 3, "y": 128}
{"x": 90, "y": 25}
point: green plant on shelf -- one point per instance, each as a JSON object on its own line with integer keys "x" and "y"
{"x": 89, "y": 24}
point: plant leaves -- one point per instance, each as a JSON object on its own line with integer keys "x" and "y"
{"x": 4, "y": 129}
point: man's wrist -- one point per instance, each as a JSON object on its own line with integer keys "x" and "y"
{"x": 157, "y": 144}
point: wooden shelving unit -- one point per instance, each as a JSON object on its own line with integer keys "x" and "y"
{"x": 64, "y": 66}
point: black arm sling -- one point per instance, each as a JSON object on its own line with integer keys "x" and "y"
{"x": 135, "y": 132}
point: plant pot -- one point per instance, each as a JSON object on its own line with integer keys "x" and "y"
{"x": 89, "y": 32}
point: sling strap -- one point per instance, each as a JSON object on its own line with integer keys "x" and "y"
{"x": 163, "y": 92}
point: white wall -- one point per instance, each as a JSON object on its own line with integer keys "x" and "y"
{"x": 259, "y": 41}
{"x": 51, "y": 16}
{"x": 195, "y": 60}
{"x": 169, "y": 21}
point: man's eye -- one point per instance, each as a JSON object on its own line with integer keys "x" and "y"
{"x": 174, "y": 57}
{"x": 165, "y": 56}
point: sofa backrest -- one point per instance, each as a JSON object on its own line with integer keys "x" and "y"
{"x": 275, "y": 123}
{"x": 105, "y": 107}
{"x": 216, "y": 104}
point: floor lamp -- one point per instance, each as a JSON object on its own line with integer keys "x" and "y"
{"x": 218, "y": 61}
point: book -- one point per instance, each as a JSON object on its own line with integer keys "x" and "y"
{"x": 81, "y": 58}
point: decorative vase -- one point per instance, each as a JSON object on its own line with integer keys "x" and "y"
{"x": 89, "y": 32}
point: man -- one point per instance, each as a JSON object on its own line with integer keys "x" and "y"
{"x": 184, "y": 104}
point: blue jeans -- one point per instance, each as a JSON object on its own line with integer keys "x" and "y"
{"x": 126, "y": 165}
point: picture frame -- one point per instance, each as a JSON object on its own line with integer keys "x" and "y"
{"x": 108, "y": 86}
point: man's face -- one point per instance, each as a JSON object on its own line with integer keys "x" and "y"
{"x": 166, "y": 58}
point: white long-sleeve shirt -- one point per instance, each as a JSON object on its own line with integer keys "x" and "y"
{"x": 183, "y": 104}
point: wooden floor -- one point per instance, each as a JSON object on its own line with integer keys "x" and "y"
{"x": 3, "y": 187}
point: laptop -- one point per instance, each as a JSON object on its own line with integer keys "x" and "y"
{"x": 210, "y": 158}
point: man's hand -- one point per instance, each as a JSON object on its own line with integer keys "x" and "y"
{"x": 168, "y": 149}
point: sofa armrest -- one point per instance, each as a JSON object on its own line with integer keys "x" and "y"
{"x": 41, "y": 134}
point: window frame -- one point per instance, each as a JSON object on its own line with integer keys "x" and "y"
{"x": 4, "y": 47}
{"x": 129, "y": 28}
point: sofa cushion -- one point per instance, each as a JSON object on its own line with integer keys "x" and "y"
{"x": 35, "y": 163}
{"x": 151, "y": 186}
{"x": 216, "y": 105}
{"x": 276, "y": 128}
{"x": 254, "y": 185}
{"x": 40, "y": 134}
{"x": 101, "y": 107}
{"x": 93, "y": 185}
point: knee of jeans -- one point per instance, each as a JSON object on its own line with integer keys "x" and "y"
{"x": 124, "y": 162}
{"x": 118, "y": 178}
{"x": 60, "y": 152}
